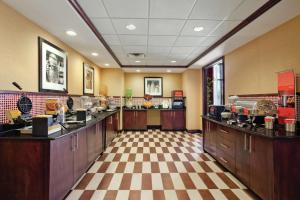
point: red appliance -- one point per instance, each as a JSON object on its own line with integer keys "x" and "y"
{"x": 286, "y": 91}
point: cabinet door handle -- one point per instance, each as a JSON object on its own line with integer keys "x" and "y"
{"x": 250, "y": 144}
{"x": 223, "y": 131}
{"x": 225, "y": 161}
{"x": 224, "y": 146}
{"x": 72, "y": 142}
{"x": 245, "y": 142}
{"x": 77, "y": 140}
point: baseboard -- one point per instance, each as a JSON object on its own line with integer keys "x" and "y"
{"x": 153, "y": 126}
{"x": 193, "y": 131}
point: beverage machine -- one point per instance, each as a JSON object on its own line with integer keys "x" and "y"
{"x": 177, "y": 99}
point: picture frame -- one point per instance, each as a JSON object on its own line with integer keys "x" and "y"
{"x": 153, "y": 86}
{"x": 88, "y": 79}
{"x": 53, "y": 67}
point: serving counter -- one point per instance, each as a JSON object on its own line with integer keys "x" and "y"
{"x": 266, "y": 161}
{"x": 48, "y": 167}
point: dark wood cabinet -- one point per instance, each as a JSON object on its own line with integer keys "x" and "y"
{"x": 111, "y": 128}
{"x": 135, "y": 120}
{"x": 95, "y": 141}
{"x": 261, "y": 166}
{"x": 172, "y": 119}
{"x": 210, "y": 140}
{"x": 242, "y": 157}
{"x": 47, "y": 168}
{"x": 80, "y": 154}
{"x": 268, "y": 166}
{"x": 61, "y": 166}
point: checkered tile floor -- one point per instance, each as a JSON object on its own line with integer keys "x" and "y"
{"x": 157, "y": 165}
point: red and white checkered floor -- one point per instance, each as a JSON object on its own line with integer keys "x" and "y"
{"x": 158, "y": 165}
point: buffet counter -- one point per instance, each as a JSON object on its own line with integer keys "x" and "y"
{"x": 266, "y": 161}
{"x": 48, "y": 167}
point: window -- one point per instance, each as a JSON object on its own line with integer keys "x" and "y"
{"x": 213, "y": 83}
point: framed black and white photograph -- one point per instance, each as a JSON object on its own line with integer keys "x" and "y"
{"x": 153, "y": 86}
{"x": 88, "y": 79}
{"x": 53, "y": 67}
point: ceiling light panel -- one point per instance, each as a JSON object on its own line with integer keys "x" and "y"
{"x": 208, "y": 25}
{"x": 174, "y": 9}
{"x": 165, "y": 27}
{"x": 214, "y": 9}
{"x": 127, "y": 8}
{"x": 140, "y": 24}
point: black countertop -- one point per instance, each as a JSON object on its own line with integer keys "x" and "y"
{"x": 277, "y": 133}
{"x": 15, "y": 134}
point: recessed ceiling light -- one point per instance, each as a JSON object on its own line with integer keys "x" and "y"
{"x": 131, "y": 27}
{"x": 71, "y": 33}
{"x": 138, "y": 70}
{"x": 173, "y": 61}
{"x": 95, "y": 54}
{"x": 198, "y": 28}
{"x": 106, "y": 64}
{"x": 169, "y": 71}
{"x": 137, "y": 61}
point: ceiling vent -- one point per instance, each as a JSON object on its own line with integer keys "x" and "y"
{"x": 136, "y": 55}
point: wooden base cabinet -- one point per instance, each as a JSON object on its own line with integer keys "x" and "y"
{"x": 111, "y": 128}
{"x": 172, "y": 119}
{"x": 44, "y": 168}
{"x": 135, "y": 119}
{"x": 270, "y": 167}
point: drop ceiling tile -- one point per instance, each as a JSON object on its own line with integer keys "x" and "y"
{"x": 214, "y": 9}
{"x": 158, "y": 40}
{"x": 141, "y": 26}
{"x": 208, "y": 25}
{"x": 209, "y": 41}
{"x": 93, "y": 8}
{"x": 154, "y": 50}
{"x": 127, "y": 8}
{"x": 246, "y": 9}
{"x": 188, "y": 41}
{"x": 112, "y": 39}
{"x": 179, "y": 9}
{"x": 104, "y": 26}
{"x": 135, "y": 49}
{"x": 133, "y": 40}
{"x": 224, "y": 28}
{"x": 165, "y": 27}
{"x": 184, "y": 50}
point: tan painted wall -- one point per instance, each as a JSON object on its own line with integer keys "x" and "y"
{"x": 251, "y": 69}
{"x": 192, "y": 88}
{"x": 135, "y": 81}
{"x": 19, "y": 54}
{"x": 112, "y": 82}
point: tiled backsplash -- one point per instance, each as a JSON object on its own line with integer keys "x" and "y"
{"x": 8, "y": 101}
{"x": 273, "y": 98}
{"x": 154, "y": 100}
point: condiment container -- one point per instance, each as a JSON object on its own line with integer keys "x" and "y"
{"x": 269, "y": 122}
{"x": 290, "y": 125}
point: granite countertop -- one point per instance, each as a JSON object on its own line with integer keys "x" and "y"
{"x": 277, "y": 133}
{"x": 15, "y": 134}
